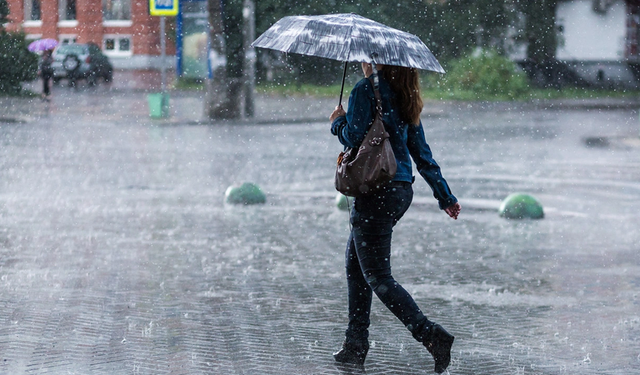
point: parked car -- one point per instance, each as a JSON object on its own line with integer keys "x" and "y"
{"x": 81, "y": 61}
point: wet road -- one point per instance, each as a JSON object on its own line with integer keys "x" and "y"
{"x": 119, "y": 256}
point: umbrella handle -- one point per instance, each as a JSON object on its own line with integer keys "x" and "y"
{"x": 344, "y": 75}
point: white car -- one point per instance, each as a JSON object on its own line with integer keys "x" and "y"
{"x": 81, "y": 61}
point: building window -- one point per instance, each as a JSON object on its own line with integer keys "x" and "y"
{"x": 124, "y": 45}
{"x": 32, "y": 10}
{"x": 67, "y": 39}
{"x": 117, "y": 45}
{"x": 116, "y": 10}
{"x": 67, "y": 10}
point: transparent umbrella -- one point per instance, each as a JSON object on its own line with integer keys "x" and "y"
{"x": 350, "y": 38}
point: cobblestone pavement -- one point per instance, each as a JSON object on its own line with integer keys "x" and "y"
{"x": 119, "y": 256}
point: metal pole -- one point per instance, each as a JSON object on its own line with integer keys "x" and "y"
{"x": 163, "y": 52}
{"x": 164, "y": 104}
{"x": 250, "y": 57}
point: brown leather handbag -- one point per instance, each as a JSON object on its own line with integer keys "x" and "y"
{"x": 365, "y": 169}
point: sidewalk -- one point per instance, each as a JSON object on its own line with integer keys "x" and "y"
{"x": 118, "y": 254}
{"x": 187, "y": 106}
{"x": 129, "y": 90}
{"x": 304, "y": 108}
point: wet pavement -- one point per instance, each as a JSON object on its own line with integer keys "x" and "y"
{"x": 118, "y": 254}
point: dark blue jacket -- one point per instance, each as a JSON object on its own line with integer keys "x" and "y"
{"x": 408, "y": 141}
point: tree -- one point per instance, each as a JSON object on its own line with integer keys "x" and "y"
{"x": 17, "y": 64}
{"x": 540, "y": 32}
{"x": 301, "y": 69}
{"x": 4, "y": 13}
{"x": 540, "y": 35}
{"x": 450, "y": 28}
{"x": 225, "y": 92}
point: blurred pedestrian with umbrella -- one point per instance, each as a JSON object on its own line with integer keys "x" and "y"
{"x": 41, "y": 45}
{"x": 46, "y": 72}
{"x": 398, "y": 55}
{"x": 45, "y": 46}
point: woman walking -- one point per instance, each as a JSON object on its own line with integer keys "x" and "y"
{"x": 46, "y": 72}
{"x": 375, "y": 214}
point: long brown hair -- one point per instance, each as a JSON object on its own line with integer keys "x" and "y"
{"x": 405, "y": 83}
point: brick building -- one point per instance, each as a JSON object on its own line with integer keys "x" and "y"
{"x": 128, "y": 34}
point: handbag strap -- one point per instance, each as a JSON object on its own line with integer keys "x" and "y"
{"x": 375, "y": 81}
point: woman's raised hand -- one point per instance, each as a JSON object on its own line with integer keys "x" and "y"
{"x": 339, "y": 111}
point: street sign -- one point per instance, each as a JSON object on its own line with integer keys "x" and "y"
{"x": 163, "y": 7}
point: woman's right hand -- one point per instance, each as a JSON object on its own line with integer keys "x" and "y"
{"x": 339, "y": 111}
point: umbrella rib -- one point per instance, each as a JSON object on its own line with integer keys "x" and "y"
{"x": 350, "y": 31}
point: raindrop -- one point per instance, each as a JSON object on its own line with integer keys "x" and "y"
{"x": 587, "y": 359}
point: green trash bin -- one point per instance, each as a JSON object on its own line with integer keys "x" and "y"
{"x": 158, "y": 105}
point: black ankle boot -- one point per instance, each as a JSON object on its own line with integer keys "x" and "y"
{"x": 353, "y": 352}
{"x": 438, "y": 342}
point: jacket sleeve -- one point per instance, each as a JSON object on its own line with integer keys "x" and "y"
{"x": 352, "y": 128}
{"x": 427, "y": 166}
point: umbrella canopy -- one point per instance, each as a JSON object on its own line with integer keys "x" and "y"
{"x": 42, "y": 45}
{"x": 348, "y": 37}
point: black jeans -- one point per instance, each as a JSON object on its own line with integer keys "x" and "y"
{"x": 368, "y": 261}
{"x": 46, "y": 79}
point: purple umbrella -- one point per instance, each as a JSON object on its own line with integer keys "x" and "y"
{"x": 42, "y": 45}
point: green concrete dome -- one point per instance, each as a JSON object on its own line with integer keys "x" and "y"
{"x": 342, "y": 202}
{"x": 247, "y": 193}
{"x": 521, "y": 206}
